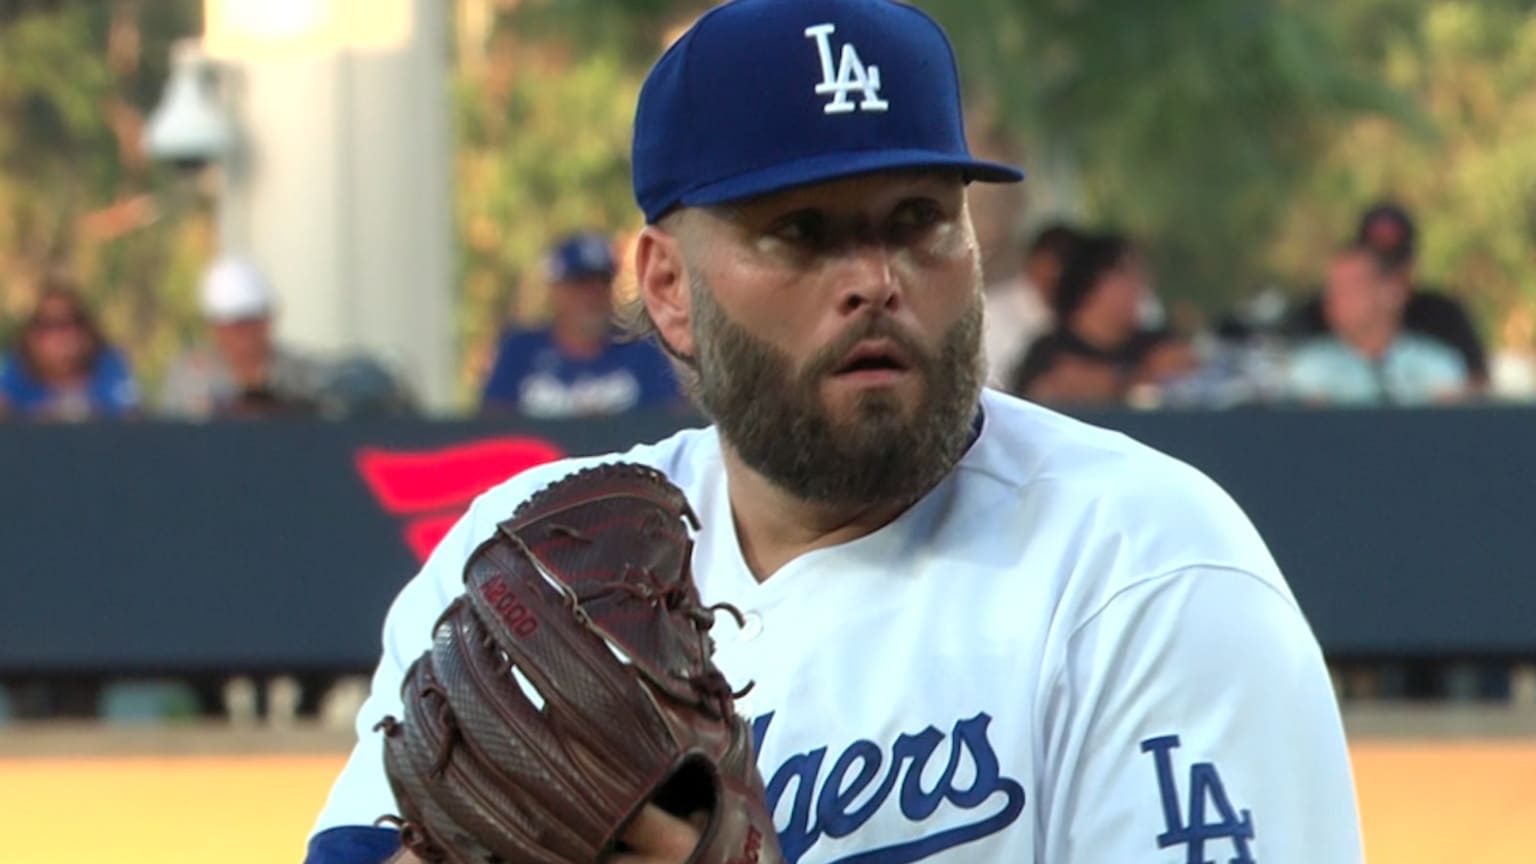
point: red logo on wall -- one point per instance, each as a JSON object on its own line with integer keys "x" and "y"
{"x": 432, "y": 488}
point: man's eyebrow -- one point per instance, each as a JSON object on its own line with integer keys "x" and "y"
{"x": 731, "y": 211}
{"x": 741, "y": 214}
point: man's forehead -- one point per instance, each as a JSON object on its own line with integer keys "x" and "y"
{"x": 855, "y": 191}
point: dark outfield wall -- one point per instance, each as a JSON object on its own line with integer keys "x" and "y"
{"x": 160, "y": 548}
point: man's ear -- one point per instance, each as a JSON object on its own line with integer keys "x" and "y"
{"x": 662, "y": 280}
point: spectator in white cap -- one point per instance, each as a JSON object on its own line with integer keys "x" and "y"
{"x": 242, "y": 371}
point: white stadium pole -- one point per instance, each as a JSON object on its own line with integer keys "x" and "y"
{"x": 340, "y": 183}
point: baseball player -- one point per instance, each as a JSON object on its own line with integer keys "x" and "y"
{"x": 978, "y": 630}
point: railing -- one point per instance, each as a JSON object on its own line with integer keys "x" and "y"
{"x": 178, "y": 549}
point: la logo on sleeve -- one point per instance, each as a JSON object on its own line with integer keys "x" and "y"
{"x": 1205, "y": 786}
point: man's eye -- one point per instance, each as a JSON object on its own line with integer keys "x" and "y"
{"x": 806, "y": 228}
{"x": 917, "y": 213}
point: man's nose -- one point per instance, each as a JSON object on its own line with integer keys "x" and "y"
{"x": 867, "y": 280}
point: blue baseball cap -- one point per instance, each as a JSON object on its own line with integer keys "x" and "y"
{"x": 763, "y": 95}
{"x": 580, "y": 256}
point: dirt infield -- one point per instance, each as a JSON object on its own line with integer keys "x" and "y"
{"x": 1434, "y": 802}
{"x": 1421, "y": 801}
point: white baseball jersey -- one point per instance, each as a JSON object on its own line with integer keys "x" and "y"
{"x": 1073, "y": 650}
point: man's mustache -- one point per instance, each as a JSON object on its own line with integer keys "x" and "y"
{"x": 878, "y": 326}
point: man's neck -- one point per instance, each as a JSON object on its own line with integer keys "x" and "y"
{"x": 64, "y": 378}
{"x": 252, "y": 372}
{"x": 1373, "y": 343}
{"x": 774, "y": 527}
{"x": 577, "y": 342}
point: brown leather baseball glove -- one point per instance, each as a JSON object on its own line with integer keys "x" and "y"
{"x": 572, "y": 684}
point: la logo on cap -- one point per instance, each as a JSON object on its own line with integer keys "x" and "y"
{"x": 852, "y": 75}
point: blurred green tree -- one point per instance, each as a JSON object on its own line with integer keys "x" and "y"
{"x": 1238, "y": 139}
{"x": 1188, "y": 124}
{"x": 77, "y": 195}
{"x": 1471, "y": 184}
{"x": 543, "y": 150}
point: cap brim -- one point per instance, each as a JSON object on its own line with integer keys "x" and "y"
{"x": 837, "y": 166}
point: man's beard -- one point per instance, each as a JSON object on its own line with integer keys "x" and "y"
{"x": 773, "y": 416}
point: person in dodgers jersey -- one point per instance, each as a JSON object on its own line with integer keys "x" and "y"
{"x": 978, "y": 630}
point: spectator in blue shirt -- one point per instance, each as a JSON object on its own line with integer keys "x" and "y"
{"x": 1370, "y": 357}
{"x": 575, "y": 366}
{"x": 63, "y": 369}
{"x": 1389, "y": 230}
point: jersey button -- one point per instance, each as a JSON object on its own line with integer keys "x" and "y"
{"x": 751, "y": 627}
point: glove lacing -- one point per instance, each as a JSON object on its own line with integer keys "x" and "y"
{"x": 680, "y": 598}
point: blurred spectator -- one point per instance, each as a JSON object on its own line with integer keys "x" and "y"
{"x": 360, "y": 386}
{"x": 575, "y": 366}
{"x": 1369, "y": 358}
{"x": 1019, "y": 310}
{"x": 1389, "y": 230}
{"x": 242, "y": 372}
{"x": 1101, "y": 349}
{"x": 63, "y": 370}
{"x": 1241, "y": 358}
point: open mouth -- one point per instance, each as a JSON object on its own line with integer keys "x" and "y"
{"x": 874, "y": 357}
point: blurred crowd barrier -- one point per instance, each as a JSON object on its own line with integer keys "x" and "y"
{"x": 250, "y": 565}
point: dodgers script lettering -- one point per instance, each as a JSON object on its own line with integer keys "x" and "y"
{"x": 824, "y": 802}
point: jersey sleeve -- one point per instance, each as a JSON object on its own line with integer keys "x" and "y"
{"x": 1191, "y": 719}
{"x": 361, "y": 793}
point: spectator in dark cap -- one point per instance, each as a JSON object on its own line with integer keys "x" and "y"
{"x": 1099, "y": 351}
{"x": 1368, "y": 357}
{"x": 575, "y": 366}
{"x": 1388, "y": 229}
